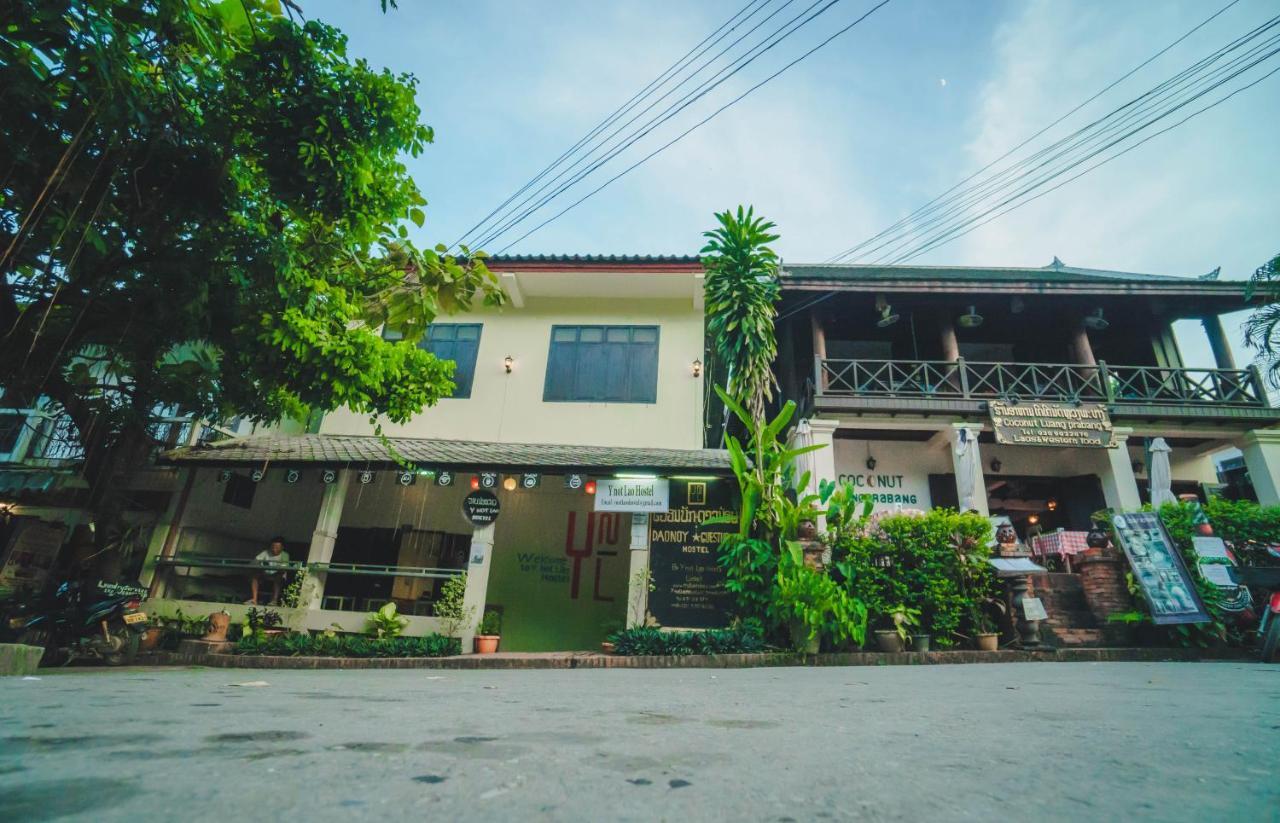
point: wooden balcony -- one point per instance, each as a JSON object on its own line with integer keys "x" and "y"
{"x": 931, "y": 386}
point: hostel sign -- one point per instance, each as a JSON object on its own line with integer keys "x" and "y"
{"x": 1084, "y": 425}
{"x": 619, "y": 494}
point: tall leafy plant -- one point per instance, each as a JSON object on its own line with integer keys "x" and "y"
{"x": 1262, "y": 329}
{"x": 741, "y": 290}
{"x": 769, "y": 511}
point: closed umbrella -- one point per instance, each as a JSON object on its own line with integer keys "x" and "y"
{"x": 1161, "y": 476}
{"x": 966, "y": 454}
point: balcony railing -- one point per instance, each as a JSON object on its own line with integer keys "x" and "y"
{"x": 964, "y": 380}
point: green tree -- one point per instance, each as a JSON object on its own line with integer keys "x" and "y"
{"x": 741, "y": 290}
{"x": 1262, "y": 329}
{"x": 203, "y": 207}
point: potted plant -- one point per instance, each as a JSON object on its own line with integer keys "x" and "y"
{"x": 901, "y": 621}
{"x": 486, "y": 639}
{"x": 985, "y": 636}
{"x": 920, "y": 642}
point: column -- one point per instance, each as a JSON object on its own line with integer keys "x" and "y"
{"x": 164, "y": 535}
{"x": 1119, "y": 486}
{"x": 322, "y": 539}
{"x": 1218, "y": 342}
{"x": 638, "y": 579}
{"x": 950, "y": 345}
{"x": 1261, "y": 449}
{"x": 823, "y": 461}
{"x": 477, "y": 583}
{"x": 967, "y": 460}
{"x": 1082, "y": 348}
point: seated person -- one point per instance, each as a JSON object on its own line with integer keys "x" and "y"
{"x": 273, "y": 555}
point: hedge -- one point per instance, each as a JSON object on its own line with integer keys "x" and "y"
{"x": 348, "y": 645}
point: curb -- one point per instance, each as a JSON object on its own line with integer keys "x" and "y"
{"x": 591, "y": 660}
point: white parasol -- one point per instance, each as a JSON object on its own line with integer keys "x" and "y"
{"x": 966, "y": 454}
{"x": 1161, "y": 476}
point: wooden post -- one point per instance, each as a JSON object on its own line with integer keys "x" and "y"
{"x": 950, "y": 345}
{"x": 1218, "y": 342}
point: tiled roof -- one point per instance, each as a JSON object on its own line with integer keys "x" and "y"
{"x": 1055, "y": 272}
{"x": 628, "y": 259}
{"x": 358, "y": 450}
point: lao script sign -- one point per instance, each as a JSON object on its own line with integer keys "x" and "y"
{"x": 1085, "y": 425}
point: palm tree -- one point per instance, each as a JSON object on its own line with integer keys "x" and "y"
{"x": 741, "y": 290}
{"x": 1262, "y": 329}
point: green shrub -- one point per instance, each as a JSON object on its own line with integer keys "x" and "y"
{"x": 491, "y": 623}
{"x": 822, "y": 607}
{"x": 744, "y": 638}
{"x": 932, "y": 561}
{"x": 385, "y": 622}
{"x": 348, "y": 645}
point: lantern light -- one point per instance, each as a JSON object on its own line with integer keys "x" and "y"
{"x": 509, "y": 483}
{"x": 589, "y": 487}
{"x": 475, "y": 481}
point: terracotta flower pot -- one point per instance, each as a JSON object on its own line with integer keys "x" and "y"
{"x": 987, "y": 641}
{"x": 887, "y": 640}
{"x": 606, "y": 647}
{"x": 486, "y": 643}
{"x": 150, "y": 639}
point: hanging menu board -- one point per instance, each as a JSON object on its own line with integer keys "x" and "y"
{"x": 1157, "y": 566}
{"x": 688, "y": 583}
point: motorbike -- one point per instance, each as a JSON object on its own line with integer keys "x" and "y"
{"x": 102, "y": 621}
{"x": 1267, "y": 579}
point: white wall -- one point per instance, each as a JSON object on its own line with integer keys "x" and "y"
{"x": 509, "y": 407}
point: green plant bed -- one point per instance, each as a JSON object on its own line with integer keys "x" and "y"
{"x": 647, "y": 640}
{"x": 348, "y": 645}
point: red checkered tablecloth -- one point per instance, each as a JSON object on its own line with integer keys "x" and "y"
{"x": 1059, "y": 543}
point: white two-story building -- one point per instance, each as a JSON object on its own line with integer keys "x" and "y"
{"x": 592, "y": 374}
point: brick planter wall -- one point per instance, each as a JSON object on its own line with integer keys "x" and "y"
{"x": 1104, "y": 585}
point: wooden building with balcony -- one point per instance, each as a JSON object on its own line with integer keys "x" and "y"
{"x": 903, "y": 368}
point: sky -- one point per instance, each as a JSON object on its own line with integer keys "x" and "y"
{"x": 894, "y": 112}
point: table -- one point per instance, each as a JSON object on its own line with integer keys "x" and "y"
{"x": 1062, "y": 544}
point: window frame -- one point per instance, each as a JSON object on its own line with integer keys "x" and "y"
{"x": 461, "y": 390}
{"x": 606, "y": 359}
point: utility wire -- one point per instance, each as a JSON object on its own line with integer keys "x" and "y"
{"x": 654, "y": 84}
{"x": 1235, "y": 70}
{"x": 948, "y": 238}
{"x": 695, "y": 126}
{"x": 925, "y": 208}
{"x": 1095, "y": 132}
{"x": 736, "y": 65}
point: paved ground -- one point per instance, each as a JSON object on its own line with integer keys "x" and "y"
{"x": 1025, "y": 742}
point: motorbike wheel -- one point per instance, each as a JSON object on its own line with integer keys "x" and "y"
{"x": 124, "y": 646}
{"x": 1271, "y": 641}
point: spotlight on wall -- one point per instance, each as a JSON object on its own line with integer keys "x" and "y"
{"x": 1051, "y": 504}
{"x": 697, "y": 368}
{"x": 508, "y": 363}
{"x": 1096, "y": 321}
{"x": 996, "y": 465}
{"x": 972, "y": 320}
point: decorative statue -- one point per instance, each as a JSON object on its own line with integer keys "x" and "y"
{"x": 814, "y": 552}
{"x": 1098, "y": 537}
{"x": 1007, "y": 539}
{"x": 218, "y": 623}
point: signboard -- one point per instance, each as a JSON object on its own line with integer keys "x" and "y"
{"x": 444, "y": 478}
{"x": 1159, "y": 570}
{"x": 33, "y": 549}
{"x": 1033, "y": 609}
{"x": 897, "y": 482}
{"x": 480, "y": 507}
{"x": 617, "y": 494}
{"x": 1211, "y": 548}
{"x": 688, "y": 583}
{"x": 1084, "y": 425}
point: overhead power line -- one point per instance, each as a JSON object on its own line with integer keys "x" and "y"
{"x": 736, "y": 64}
{"x": 700, "y": 48}
{"x": 701, "y": 122}
{"x": 954, "y": 212}
{"x": 915, "y": 215}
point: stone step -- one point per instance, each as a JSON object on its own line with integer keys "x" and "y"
{"x": 1076, "y": 637}
{"x": 1071, "y": 618}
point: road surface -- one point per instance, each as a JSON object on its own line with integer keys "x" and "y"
{"x": 1024, "y": 742}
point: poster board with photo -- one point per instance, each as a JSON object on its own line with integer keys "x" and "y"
{"x": 1158, "y": 567}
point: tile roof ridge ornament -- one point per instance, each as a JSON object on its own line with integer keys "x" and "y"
{"x": 1056, "y": 265}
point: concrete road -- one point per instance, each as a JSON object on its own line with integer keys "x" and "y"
{"x": 1024, "y": 742}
